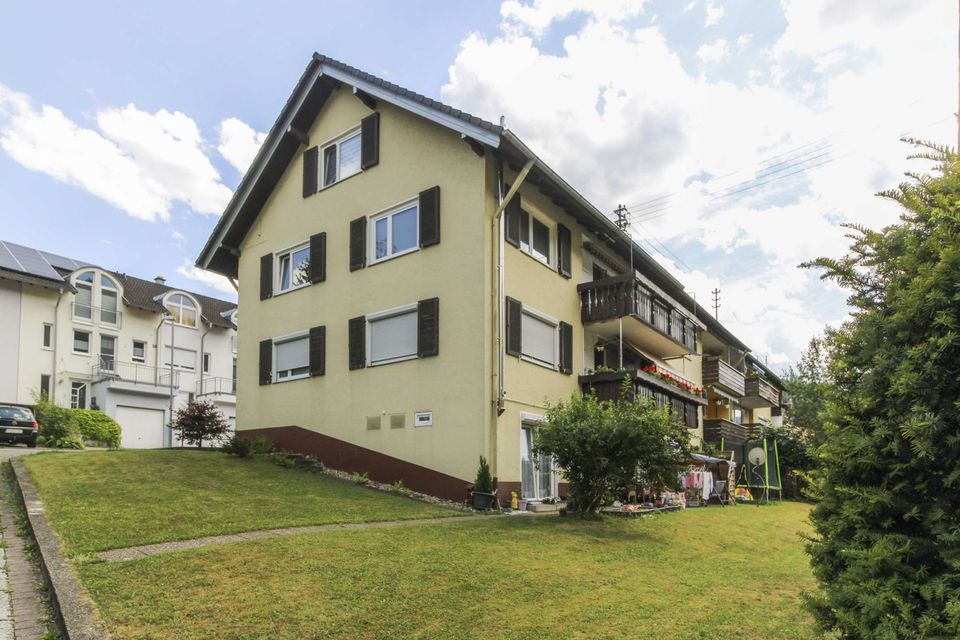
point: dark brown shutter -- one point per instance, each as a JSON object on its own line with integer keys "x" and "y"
{"x": 358, "y": 342}
{"x": 318, "y": 257}
{"x": 311, "y": 160}
{"x": 563, "y": 250}
{"x": 566, "y": 348}
{"x": 513, "y": 220}
{"x": 370, "y": 141}
{"x": 430, "y": 217}
{"x": 428, "y": 327}
{"x": 266, "y": 276}
{"x": 266, "y": 361}
{"x": 514, "y": 319}
{"x": 358, "y": 244}
{"x": 318, "y": 351}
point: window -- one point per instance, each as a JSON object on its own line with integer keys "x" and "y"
{"x": 539, "y": 338}
{"x": 108, "y": 352}
{"x": 47, "y": 335}
{"x": 78, "y": 395}
{"x": 392, "y": 335}
{"x": 81, "y": 341}
{"x": 45, "y": 385}
{"x": 291, "y": 358}
{"x": 233, "y": 380}
{"x": 233, "y": 343}
{"x": 139, "y": 351}
{"x": 538, "y": 479}
{"x": 206, "y": 363}
{"x": 83, "y": 303}
{"x": 108, "y": 301}
{"x": 293, "y": 268}
{"x": 534, "y": 237}
{"x": 341, "y": 158}
{"x": 182, "y": 309}
{"x": 182, "y": 358}
{"x": 394, "y": 232}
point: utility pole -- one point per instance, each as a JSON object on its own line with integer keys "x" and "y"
{"x": 716, "y": 304}
{"x": 621, "y": 221}
{"x": 623, "y": 224}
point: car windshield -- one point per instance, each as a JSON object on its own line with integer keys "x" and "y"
{"x": 15, "y": 413}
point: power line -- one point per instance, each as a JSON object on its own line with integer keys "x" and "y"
{"x": 716, "y": 303}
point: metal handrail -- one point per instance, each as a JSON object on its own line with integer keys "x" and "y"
{"x": 108, "y": 368}
{"x": 216, "y": 386}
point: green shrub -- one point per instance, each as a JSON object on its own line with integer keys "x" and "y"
{"x": 260, "y": 446}
{"x": 237, "y": 446}
{"x": 72, "y": 441}
{"x": 198, "y": 421}
{"x": 96, "y": 426}
{"x": 361, "y": 478}
{"x": 398, "y": 487}
{"x": 484, "y": 481}
{"x": 56, "y": 424}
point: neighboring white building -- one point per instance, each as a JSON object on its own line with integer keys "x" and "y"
{"x": 93, "y": 338}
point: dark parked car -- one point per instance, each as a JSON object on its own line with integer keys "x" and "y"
{"x": 17, "y": 424}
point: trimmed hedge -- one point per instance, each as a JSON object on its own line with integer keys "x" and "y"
{"x": 96, "y": 426}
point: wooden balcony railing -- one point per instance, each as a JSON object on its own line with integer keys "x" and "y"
{"x": 760, "y": 393}
{"x": 724, "y": 433}
{"x": 722, "y": 374}
{"x": 620, "y": 296}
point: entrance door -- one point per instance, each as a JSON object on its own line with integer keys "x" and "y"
{"x": 141, "y": 428}
{"x": 538, "y": 478}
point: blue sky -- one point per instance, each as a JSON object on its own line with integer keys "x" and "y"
{"x": 738, "y": 132}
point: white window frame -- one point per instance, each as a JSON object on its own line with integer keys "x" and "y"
{"x": 133, "y": 351}
{"x": 88, "y": 286}
{"x": 275, "y": 375}
{"x": 538, "y": 315}
{"x": 46, "y": 332}
{"x": 337, "y": 141}
{"x": 412, "y": 203}
{"x": 527, "y": 247}
{"x": 382, "y": 315}
{"x": 196, "y": 309}
{"x": 277, "y": 271}
{"x": 528, "y": 423}
{"x": 73, "y": 344}
{"x": 205, "y": 360}
{"x": 115, "y": 290}
{"x": 75, "y": 386}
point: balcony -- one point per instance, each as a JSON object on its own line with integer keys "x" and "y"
{"x": 649, "y": 322}
{"x": 606, "y": 384}
{"x": 724, "y": 376}
{"x": 216, "y": 387}
{"x": 725, "y": 434}
{"x": 134, "y": 377}
{"x": 759, "y": 394}
{"x": 96, "y": 315}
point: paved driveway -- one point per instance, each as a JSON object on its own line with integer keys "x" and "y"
{"x": 15, "y": 451}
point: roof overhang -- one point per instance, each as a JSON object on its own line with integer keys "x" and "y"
{"x": 47, "y": 283}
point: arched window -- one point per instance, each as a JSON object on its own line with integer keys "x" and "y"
{"x": 183, "y": 310}
{"x": 108, "y": 301}
{"x": 83, "y": 305}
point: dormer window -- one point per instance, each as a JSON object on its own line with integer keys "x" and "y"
{"x": 341, "y": 158}
{"x": 96, "y": 299}
{"x": 182, "y": 309}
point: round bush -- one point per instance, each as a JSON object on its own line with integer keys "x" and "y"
{"x": 96, "y": 426}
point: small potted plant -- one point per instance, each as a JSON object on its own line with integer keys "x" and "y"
{"x": 483, "y": 496}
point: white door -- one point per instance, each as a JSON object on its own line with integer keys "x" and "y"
{"x": 142, "y": 428}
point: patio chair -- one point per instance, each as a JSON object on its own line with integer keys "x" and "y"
{"x": 719, "y": 491}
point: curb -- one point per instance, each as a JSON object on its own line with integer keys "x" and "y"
{"x": 77, "y": 614}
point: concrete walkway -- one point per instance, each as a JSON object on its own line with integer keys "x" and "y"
{"x": 132, "y": 553}
{"x": 24, "y": 614}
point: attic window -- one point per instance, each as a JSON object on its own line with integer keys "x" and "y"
{"x": 341, "y": 158}
{"x": 182, "y": 309}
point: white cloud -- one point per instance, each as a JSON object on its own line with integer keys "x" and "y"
{"x": 138, "y": 162}
{"x": 177, "y": 237}
{"x": 714, "y": 13}
{"x": 744, "y": 39}
{"x": 536, "y": 17}
{"x": 190, "y": 271}
{"x": 832, "y": 82}
{"x": 713, "y": 52}
{"x": 239, "y": 143}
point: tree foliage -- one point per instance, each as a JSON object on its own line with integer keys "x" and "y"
{"x": 807, "y": 386}
{"x": 96, "y": 426}
{"x": 603, "y": 445}
{"x": 198, "y": 421}
{"x": 886, "y": 551}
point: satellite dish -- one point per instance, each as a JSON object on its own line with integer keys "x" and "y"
{"x": 757, "y": 456}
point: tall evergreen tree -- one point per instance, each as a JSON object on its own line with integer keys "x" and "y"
{"x": 886, "y": 551}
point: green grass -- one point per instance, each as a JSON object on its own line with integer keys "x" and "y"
{"x": 707, "y": 573}
{"x": 113, "y": 499}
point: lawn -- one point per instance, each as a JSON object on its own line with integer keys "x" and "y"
{"x": 708, "y": 573}
{"x": 113, "y": 499}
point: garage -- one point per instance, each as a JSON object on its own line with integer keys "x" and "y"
{"x": 142, "y": 428}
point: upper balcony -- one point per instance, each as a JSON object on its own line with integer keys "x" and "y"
{"x": 759, "y": 394}
{"x": 97, "y": 315}
{"x": 135, "y": 377}
{"x": 649, "y": 322}
{"x": 724, "y": 376}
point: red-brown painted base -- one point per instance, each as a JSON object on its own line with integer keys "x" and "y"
{"x": 344, "y": 456}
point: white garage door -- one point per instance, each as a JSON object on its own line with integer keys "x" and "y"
{"x": 142, "y": 428}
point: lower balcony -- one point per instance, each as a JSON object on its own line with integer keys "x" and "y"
{"x": 725, "y": 434}
{"x": 135, "y": 377}
{"x": 223, "y": 389}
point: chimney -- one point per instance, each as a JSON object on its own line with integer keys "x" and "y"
{"x": 160, "y": 280}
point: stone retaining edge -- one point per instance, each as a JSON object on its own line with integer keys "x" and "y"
{"x": 77, "y": 614}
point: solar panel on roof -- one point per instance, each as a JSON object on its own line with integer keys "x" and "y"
{"x": 31, "y": 262}
{"x": 7, "y": 261}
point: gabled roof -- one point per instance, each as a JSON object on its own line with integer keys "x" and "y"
{"x": 26, "y": 264}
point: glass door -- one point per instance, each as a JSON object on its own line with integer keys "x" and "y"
{"x": 538, "y": 478}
